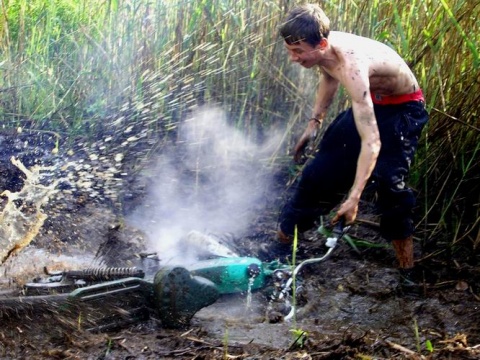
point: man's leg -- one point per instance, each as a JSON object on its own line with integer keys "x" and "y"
{"x": 399, "y": 133}
{"x": 323, "y": 183}
{"x": 313, "y": 196}
{"x": 404, "y": 252}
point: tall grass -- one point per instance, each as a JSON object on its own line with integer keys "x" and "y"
{"x": 76, "y": 66}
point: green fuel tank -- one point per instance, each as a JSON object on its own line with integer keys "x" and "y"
{"x": 232, "y": 274}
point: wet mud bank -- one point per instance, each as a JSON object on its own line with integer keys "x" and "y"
{"x": 349, "y": 307}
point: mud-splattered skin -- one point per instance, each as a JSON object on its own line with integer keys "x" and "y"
{"x": 363, "y": 66}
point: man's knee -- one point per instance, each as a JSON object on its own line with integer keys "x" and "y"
{"x": 397, "y": 215}
{"x": 396, "y": 228}
{"x": 291, "y": 218}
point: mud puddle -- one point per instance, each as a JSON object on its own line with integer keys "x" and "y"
{"x": 328, "y": 309}
{"x": 355, "y": 299}
{"x": 349, "y": 307}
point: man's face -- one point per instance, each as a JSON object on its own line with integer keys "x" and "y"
{"x": 303, "y": 53}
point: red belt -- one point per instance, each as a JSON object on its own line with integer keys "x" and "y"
{"x": 397, "y": 99}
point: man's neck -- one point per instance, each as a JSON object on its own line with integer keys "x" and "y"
{"x": 328, "y": 58}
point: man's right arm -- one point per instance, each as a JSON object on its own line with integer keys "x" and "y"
{"x": 326, "y": 90}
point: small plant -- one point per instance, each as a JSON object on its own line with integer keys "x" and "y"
{"x": 79, "y": 321}
{"x": 299, "y": 335}
{"x": 109, "y": 346}
{"x": 428, "y": 343}
{"x": 429, "y": 346}
{"x": 299, "y": 338}
{"x": 294, "y": 280}
{"x": 225, "y": 344}
{"x": 417, "y": 336}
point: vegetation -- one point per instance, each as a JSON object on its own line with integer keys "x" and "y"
{"x": 77, "y": 66}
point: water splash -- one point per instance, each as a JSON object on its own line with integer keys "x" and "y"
{"x": 22, "y": 217}
{"x": 30, "y": 262}
{"x": 251, "y": 280}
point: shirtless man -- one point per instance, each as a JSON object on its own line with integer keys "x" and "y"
{"x": 372, "y": 142}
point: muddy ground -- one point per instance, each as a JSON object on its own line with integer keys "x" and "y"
{"x": 351, "y": 306}
{"x": 351, "y": 309}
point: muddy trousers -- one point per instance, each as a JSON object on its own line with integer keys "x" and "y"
{"x": 328, "y": 177}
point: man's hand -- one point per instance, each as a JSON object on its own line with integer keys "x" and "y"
{"x": 347, "y": 210}
{"x": 308, "y": 135}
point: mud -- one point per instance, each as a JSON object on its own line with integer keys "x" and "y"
{"x": 351, "y": 306}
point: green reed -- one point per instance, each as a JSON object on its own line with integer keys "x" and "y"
{"x": 74, "y": 66}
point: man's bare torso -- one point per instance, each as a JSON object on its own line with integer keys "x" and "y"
{"x": 388, "y": 74}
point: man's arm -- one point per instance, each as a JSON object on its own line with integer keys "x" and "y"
{"x": 356, "y": 82}
{"x": 326, "y": 90}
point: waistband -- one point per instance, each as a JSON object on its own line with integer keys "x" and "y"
{"x": 397, "y": 99}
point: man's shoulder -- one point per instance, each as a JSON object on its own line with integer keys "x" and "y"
{"x": 351, "y": 46}
{"x": 343, "y": 35}
{"x": 356, "y": 47}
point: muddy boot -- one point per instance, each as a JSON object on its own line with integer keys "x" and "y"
{"x": 408, "y": 284}
{"x": 404, "y": 253}
{"x": 279, "y": 249}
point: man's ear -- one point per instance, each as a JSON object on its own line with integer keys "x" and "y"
{"x": 322, "y": 45}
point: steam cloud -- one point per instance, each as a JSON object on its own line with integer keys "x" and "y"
{"x": 211, "y": 183}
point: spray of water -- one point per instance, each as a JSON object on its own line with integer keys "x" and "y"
{"x": 213, "y": 181}
{"x": 22, "y": 216}
{"x": 25, "y": 212}
{"x": 212, "y": 184}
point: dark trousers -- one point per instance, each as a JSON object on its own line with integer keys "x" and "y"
{"x": 330, "y": 174}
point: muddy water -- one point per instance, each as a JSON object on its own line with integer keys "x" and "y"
{"x": 343, "y": 294}
{"x": 230, "y": 318}
{"x": 29, "y": 264}
{"x": 331, "y": 314}
{"x": 22, "y": 216}
{"x": 342, "y": 297}
{"x": 353, "y": 295}
{"x": 335, "y": 314}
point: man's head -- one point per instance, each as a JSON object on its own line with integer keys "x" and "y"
{"x": 305, "y": 32}
{"x": 306, "y": 23}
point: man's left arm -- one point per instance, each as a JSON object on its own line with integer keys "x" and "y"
{"x": 357, "y": 84}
